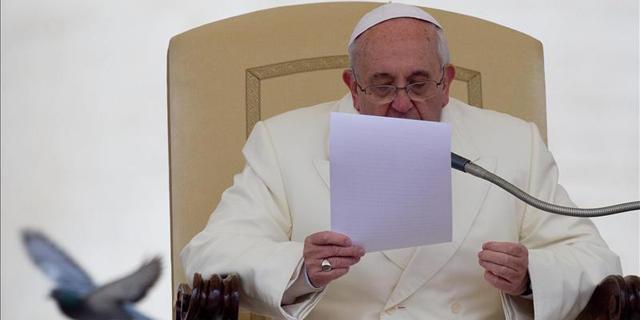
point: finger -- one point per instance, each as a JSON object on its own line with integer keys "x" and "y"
{"x": 352, "y": 251}
{"x": 517, "y": 264}
{"x": 498, "y": 282}
{"x": 340, "y": 262}
{"x": 321, "y": 252}
{"x": 510, "y": 248}
{"x": 330, "y": 238}
{"x": 503, "y": 272}
{"x": 315, "y": 265}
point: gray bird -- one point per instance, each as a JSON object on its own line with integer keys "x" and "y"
{"x": 76, "y": 294}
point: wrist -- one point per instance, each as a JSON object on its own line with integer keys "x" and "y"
{"x": 308, "y": 280}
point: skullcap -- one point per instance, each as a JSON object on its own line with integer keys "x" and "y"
{"x": 387, "y": 12}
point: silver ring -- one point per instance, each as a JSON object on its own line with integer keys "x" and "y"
{"x": 326, "y": 265}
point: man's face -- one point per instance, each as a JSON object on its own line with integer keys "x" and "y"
{"x": 399, "y": 52}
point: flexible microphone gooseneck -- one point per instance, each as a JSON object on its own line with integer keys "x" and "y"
{"x": 465, "y": 165}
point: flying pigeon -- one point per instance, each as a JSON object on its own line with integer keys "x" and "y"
{"x": 76, "y": 294}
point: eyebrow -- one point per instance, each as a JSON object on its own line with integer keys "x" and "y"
{"x": 388, "y": 76}
{"x": 381, "y": 76}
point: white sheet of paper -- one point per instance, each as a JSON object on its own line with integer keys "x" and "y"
{"x": 390, "y": 181}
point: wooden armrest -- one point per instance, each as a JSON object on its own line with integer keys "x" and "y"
{"x": 217, "y": 298}
{"x": 615, "y": 298}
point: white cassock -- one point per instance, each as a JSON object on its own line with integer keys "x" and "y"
{"x": 282, "y": 196}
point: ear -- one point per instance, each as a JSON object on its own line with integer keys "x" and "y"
{"x": 449, "y": 75}
{"x": 350, "y": 81}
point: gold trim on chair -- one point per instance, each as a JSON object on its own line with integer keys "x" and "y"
{"x": 474, "y": 85}
{"x": 256, "y": 74}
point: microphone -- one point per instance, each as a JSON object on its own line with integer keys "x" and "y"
{"x": 465, "y": 165}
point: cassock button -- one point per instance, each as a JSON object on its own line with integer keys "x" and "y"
{"x": 455, "y": 307}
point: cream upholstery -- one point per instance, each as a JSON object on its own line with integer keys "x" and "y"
{"x": 226, "y": 75}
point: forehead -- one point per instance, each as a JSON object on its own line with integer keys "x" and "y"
{"x": 398, "y": 46}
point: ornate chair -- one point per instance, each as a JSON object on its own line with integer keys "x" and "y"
{"x": 225, "y": 76}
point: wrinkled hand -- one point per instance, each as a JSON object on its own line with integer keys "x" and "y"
{"x": 335, "y": 247}
{"x": 506, "y": 266}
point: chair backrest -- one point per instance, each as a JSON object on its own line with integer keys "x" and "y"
{"x": 226, "y": 75}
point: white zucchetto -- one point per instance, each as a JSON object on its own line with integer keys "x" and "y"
{"x": 387, "y": 12}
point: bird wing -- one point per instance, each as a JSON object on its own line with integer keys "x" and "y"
{"x": 56, "y": 264}
{"x": 131, "y": 288}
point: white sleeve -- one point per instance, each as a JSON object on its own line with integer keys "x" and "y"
{"x": 249, "y": 233}
{"x": 567, "y": 256}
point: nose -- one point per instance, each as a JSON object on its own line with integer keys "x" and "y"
{"x": 402, "y": 103}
